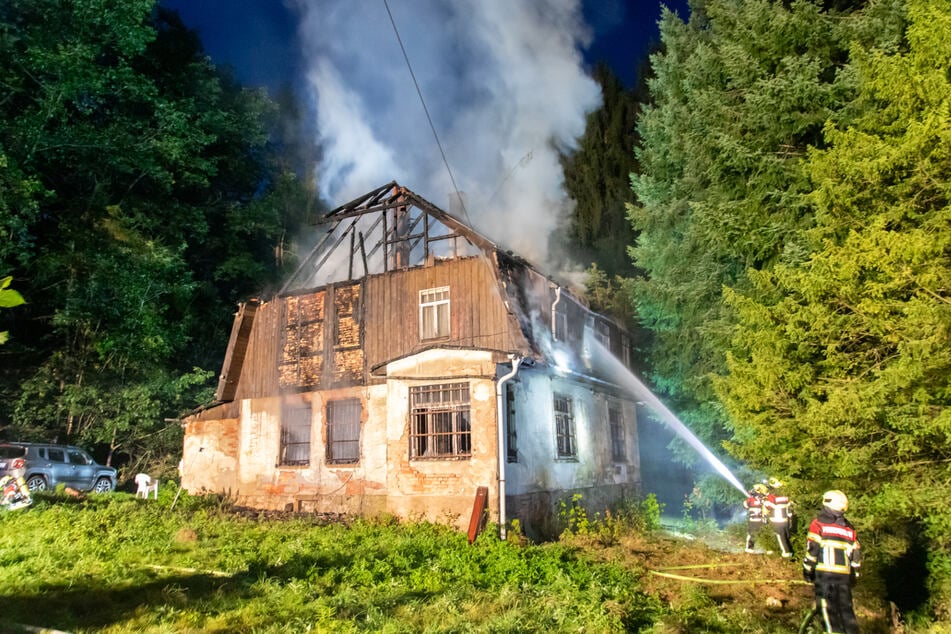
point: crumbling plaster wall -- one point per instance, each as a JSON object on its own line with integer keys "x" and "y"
{"x": 540, "y": 480}
{"x": 442, "y": 490}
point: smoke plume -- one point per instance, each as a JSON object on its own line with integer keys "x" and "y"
{"x": 503, "y": 82}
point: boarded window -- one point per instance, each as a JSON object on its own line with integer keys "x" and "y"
{"x": 434, "y": 313}
{"x": 439, "y": 421}
{"x": 348, "y": 355}
{"x": 343, "y": 431}
{"x": 618, "y": 437}
{"x": 302, "y": 352}
{"x": 564, "y": 427}
{"x": 295, "y": 434}
{"x": 510, "y": 427}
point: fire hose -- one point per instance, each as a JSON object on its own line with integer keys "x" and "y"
{"x": 660, "y": 573}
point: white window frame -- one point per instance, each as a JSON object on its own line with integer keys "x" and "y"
{"x": 434, "y": 313}
{"x": 566, "y": 444}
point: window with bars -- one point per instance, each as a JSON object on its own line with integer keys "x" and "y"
{"x": 439, "y": 421}
{"x": 434, "y": 313}
{"x": 343, "y": 431}
{"x": 618, "y": 438}
{"x": 564, "y": 427}
{"x": 510, "y": 426}
{"x": 295, "y": 434}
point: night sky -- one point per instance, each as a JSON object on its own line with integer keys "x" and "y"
{"x": 258, "y": 38}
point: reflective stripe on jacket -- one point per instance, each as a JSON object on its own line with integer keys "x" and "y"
{"x": 777, "y": 507}
{"x": 832, "y": 547}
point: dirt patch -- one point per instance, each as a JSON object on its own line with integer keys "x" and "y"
{"x": 757, "y": 587}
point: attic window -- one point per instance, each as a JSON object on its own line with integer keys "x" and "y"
{"x": 434, "y": 313}
{"x": 440, "y": 421}
{"x": 602, "y": 333}
{"x": 561, "y": 322}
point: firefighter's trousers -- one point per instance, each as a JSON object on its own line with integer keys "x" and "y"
{"x": 834, "y": 603}
{"x": 782, "y": 536}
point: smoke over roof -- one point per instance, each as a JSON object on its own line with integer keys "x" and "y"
{"x": 503, "y": 82}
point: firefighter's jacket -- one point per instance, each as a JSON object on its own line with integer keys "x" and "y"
{"x": 776, "y": 508}
{"x": 833, "y": 554}
{"x": 754, "y": 509}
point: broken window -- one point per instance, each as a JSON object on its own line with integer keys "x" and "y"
{"x": 439, "y": 421}
{"x": 618, "y": 439}
{"x": 434, "y": 313}
{"x": 343, "y": 431}
{"x": 302, "y": 350}
{"x": 510, "y": 427}
{"x": 564, "y": 427}
{"x": 295, "y": 434}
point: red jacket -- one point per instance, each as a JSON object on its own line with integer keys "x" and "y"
{"x": 777, "y": 508}
{"x": 833, "y": 553}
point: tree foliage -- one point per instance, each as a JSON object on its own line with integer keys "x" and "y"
{"x": 597, "y": 178}
{"x": 140, "y": 197}
{"x": 738, "y": 95}
{"x": 840, "y": 372}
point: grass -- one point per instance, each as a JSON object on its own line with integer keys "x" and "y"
{"x": 116, "y": 564}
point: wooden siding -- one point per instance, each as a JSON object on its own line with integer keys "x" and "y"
{"x": 478, "y": 316}
{"x": 236, "y": 352}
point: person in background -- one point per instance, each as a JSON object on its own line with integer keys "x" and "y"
{"x": 833, "y": 558}
{"x": 754, "y": 514}
{"x": 777, "y": 510}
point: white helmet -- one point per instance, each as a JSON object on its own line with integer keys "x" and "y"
{"x": 835, "y": 500}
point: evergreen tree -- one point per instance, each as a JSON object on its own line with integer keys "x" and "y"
{"x": 840, "y": 373}
{"x": 738, "y": 95}
{"x": 598, "y": 179}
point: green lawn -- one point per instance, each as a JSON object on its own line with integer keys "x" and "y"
{"x": 116, "y": 564}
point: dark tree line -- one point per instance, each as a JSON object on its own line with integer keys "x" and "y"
{"x": 142, "y": 193}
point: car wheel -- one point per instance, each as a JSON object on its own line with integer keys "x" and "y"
{"x": 36, "y": 483}
{"x": 103, "y": 485}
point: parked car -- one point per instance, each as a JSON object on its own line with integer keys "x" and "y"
{"x": 44, "y": 466}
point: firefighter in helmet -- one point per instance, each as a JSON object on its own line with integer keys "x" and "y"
{"x": 754, "y": 514}
{"x": 777, "y": 509}
{"x": 833, "y": 558}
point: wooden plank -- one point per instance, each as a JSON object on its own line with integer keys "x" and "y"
{"x": 477, "y": 520}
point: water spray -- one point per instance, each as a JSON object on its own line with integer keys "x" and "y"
{"x": 627, "y": 379}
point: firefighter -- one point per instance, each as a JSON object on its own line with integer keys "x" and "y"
{"x": 754, "y": 514}
{"x": 777, "y": 510}
{"x": 833, "y": 558}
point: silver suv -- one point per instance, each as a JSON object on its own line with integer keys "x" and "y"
{"x": 45, "y": 466}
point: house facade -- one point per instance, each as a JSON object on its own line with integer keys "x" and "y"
{"x": 407, "y": 363}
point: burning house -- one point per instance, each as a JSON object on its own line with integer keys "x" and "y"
{"x": 408, "y": 363}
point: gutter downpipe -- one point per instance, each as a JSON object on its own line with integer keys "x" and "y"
{"x": 554, "y": 323}
{"x": 500, "y": 407}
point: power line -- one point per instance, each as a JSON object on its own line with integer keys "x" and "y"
{"x": 432, "y": 127}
